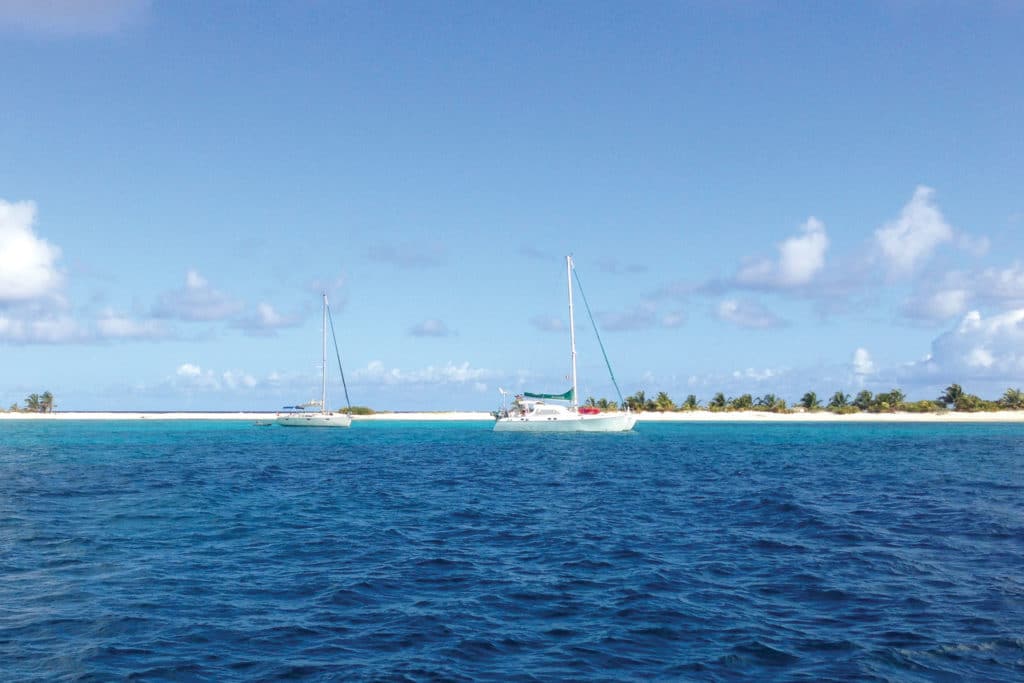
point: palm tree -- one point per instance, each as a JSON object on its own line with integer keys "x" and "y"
{"x": 717, "y": 402}
{"x": 864, "y": 400}
{"x": 46, "y": 402}
{"x": 839, "y": 400}
{"x": 638, "y": 401}
{"x": 952, "y": 396}
{"x": 742, "y": 402}
{"x": 896, "y": 398}
{"x": 691, "y": 403}
{"x": 663, "y": 403}
{"x": 1013, "y": 399}
{"x": 810, "y": 401}
{"x": 590, "y": 402}
{"x": 32, "y": 403}
{"x": 602, "y": 403}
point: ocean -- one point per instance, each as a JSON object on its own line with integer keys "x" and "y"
{"x": 224, "y": 551}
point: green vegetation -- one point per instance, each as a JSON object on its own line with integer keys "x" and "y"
{"x": 35, "y": 403}
{"x": 892, "y": 401}
{"x": 359, "y": 410}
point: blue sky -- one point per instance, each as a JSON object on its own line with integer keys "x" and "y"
{"x": 760, "y": 197}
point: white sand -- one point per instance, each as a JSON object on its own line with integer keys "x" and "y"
{"x": 825, "y": 416}
{"x": 693, "y": 416}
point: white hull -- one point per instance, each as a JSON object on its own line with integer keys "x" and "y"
{"x": 315, "y": 420}
{"x": 606, "y": 422}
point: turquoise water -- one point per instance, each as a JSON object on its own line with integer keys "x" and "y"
{"x": 424, "y": 551}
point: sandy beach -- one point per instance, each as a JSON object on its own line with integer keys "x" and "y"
{"x": 691, "y": 416}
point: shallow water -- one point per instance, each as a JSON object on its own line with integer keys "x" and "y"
{"x": 225, "y": 551}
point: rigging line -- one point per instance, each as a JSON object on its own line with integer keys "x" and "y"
{"x": 597, "y": 334}
{"x": 337, "y": 353}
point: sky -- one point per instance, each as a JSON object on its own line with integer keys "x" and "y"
{"x": 759, "y": 197}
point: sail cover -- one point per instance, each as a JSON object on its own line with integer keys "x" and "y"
{"x": 567, "y": 396}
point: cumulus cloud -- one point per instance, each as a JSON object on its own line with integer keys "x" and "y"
{"x": 376, "y": 373}
{"x": 111, "y": 325}
{"x": 193, "y": 377}
{"x": 1001, "y": 284}
{"x": 28, "y": 267}
{"x": 747, "y": 314}
{"x": 910, "y": 239}
{"x": 800, "y": 258}
{"x": 980, "y": 348}
{"x": 265, "y": 320}
{"x": 430, "y": 327}
{"x": 862, "y": 364}
{"x": 937, "y": 306}
{"x": 189, "y": 370}
{"x": 755, "y": 375}
{"x": 197, "y": 301}
{"x": 234, "y": 379}
{"x": 71, "y": 17}
{"x": 57, "y": 329}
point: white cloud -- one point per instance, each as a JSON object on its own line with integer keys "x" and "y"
{"x": 71, "y": 17}
{"x": 28, "y": 268}
{"x": 266, "y": 320}
{"x": 976, "y": 246}
{"x": 941, "y": 305}
{"x": 111, "y": 325}
{"x": 192, "y": 377}
{"x": 909, "y": 240}
{"x": 189, "y": 370}
{"x": 1006, "y": 284}
{"x": 197, "y": 301}
{"x": 748, "y": 314}
{"x": 978, "y": 348}
{"x": 800, "y": 258}
{"x": 862, "y": 363}
{"x": 430, "y": 328}
{"x": 673, "y": 319}
{"x": 234, "y": 379}
{"x": 376, "y": 373}
{"x": 755, "y": 375}
{"x": 47, "y": 330}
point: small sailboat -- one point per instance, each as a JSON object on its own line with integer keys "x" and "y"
{"x": 531, "y": 412}
{"x": 314, "y": 413}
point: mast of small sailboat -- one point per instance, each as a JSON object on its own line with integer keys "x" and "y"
{"x": 323, "y": 357}
{"x": 572, "y": 332}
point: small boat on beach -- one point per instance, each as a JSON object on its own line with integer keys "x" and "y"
{"x": 531, "y": 412}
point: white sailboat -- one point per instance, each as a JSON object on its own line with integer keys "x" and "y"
{"x": 314, "y": 413}
{"x": 532, "y": 413}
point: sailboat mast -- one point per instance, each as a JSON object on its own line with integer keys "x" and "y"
{"x": 572, "y": 332}
{"x": 323, "y": 359}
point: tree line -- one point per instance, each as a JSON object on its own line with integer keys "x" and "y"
{"x": 953, "y": 398}
{"x": 34, "y": 403}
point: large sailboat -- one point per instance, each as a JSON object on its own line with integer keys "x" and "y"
{"x": 314, "y": 413}
{"x": 530, "y": 412}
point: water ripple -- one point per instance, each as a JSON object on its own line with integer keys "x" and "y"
{"x": 216, "y": 551}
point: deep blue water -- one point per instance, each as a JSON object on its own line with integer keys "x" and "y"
{"x": 224, "y": 551}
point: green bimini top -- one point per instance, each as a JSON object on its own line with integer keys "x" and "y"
{"x": 567, "y": 396}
